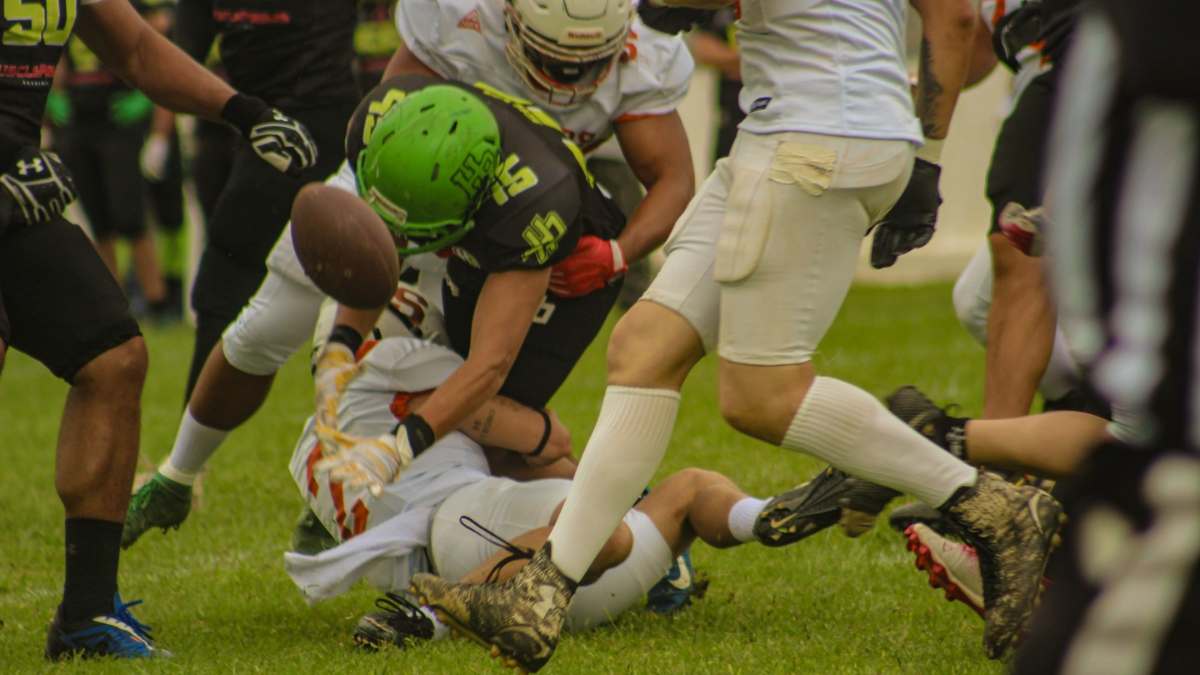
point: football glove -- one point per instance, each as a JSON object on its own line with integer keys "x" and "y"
{"x": 130, "y": 107}
{"x": 39, "y": 186}
{"x": 372, "y": 463}
{"x": 590, "y": 267}
{"x": 336, "y": 367}
{"x": 910, "y": 223}
{"x": 1024, "y": 228}
{"x": 278, "y": 139}
{"x": 58, "y": 108}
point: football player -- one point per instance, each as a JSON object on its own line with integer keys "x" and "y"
{"x": 297, "y": 55}
{"x": 413, "y": 525}
{"x": 506, "y": 208}
{"x": 60, "y": 305}
{"x": 597, "y": 77}
{"x": 757, "y": 268}
{"x": 103, "y": 125}
{"x": 634, "y": 84}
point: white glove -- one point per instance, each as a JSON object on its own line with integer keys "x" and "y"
{"x": 154, "y": 157}
{"x": 366, "y": 462}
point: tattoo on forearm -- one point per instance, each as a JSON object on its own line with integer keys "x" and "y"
{"x": 929, "y": 91}
{"x": 486, "y": 425}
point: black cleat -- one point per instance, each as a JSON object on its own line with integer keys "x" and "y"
{"x": 1013, "y": 530}
{"x": 400, "y": 623}
{"x": 833, "y": 496}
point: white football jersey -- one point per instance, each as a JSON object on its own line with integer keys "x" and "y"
{"x": 372, "y": 405}
{"x": 464, "y": 40}
{"x": 834, "y": 67}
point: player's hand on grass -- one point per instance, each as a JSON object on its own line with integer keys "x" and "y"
{"x": 590, "y": 267}
{"x": 279, "y": 140}
{"x": 910, "y": 223}
{"x": 38, "y": 186}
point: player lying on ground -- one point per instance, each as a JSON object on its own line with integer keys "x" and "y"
{"x": 448, "y": 513}
{"x": 757, "y": 268}
{"x": 60, "y": 304}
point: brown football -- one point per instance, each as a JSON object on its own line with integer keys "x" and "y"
{"x": 344, "y": 247}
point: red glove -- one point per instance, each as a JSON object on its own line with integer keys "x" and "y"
{"x": 590, "y": 267}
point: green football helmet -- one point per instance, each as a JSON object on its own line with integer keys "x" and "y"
{"x": 429, "y": 164}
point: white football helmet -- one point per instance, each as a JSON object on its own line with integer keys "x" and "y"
{"x": 409, "y": 314}
{"x": 563, "y": 49}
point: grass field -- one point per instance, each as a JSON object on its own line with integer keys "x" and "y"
{"x": 217, "y": 595}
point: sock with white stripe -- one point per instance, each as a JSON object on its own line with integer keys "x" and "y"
{"x": 625, "y": 449}
{"x": 851, "y": 430}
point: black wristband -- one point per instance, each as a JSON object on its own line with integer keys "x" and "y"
{"x": 243, "y": 112}
{"x": 346, "y": 335}
{"x": 420, "y": 434}
{"x": 545, "y": 434}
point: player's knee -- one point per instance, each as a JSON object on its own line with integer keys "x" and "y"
{"x": 120, "y": 370}
{"x": 758, "y": 411}
{"x": 647, "y": 350}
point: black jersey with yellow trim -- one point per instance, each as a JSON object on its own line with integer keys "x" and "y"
{"x": 33, "y": 34}
{"x": 543, "y": 198}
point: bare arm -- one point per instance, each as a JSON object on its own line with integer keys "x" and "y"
{"x": 948, "y": 34}
{"x": 504, "y": 424}
{"x": 148, "y": 61}
{"x": 503, "y": 314}
{"x": 404, "y": 62}
{"x": 983, "y": 59}
{"x": 711, "y": 50}
{"x": 657, "y": 150}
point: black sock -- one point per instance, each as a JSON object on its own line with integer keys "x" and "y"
{"x": 951, "y": 434}
{"x": 93, "y": 549}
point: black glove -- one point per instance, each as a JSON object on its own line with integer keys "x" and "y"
{"x": 38, "y": 186}
{"x": 670, "y": 20}
{"x": 910, "y": 223}
{"x": 280, "y": 140}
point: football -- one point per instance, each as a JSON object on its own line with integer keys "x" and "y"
{"x": 344, "y": 247}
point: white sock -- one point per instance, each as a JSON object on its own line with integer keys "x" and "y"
{"x": 848, "y": 428}
{"x": 194, "y": 444}
{"x": 625, "y": 449}
{"x": 742, "y": 517}
{"x": 440, "y": 630}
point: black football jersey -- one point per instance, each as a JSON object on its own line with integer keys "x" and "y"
{"x": 295, "y": 54}
{"x": 542, "y": 199}
{"x": 33, "y": 34}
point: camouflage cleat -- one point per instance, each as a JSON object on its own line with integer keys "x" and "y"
{"x": 520, "y": 619}
{"x": 399, "y": 623}
{"x": 951, "y": 565}
{"x": 1013, "y": 530}
{"x": 161, "y": 502}
{"x": 831, "y": 497}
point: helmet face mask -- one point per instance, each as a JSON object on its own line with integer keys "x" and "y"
{"x": 565, "y": 49}
{"x": 428, "y": 166}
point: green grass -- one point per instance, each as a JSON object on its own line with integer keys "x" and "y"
{"x": 217, "y": 595}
